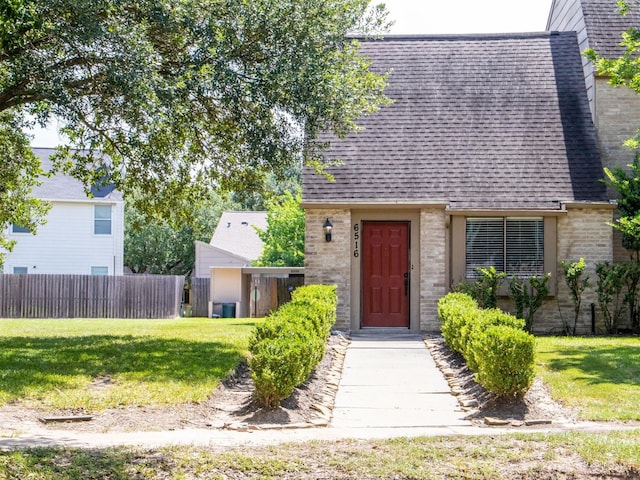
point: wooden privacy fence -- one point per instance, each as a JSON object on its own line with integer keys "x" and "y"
{"x": 268, "y": 293}
{"x": 200, "y": 296}
{"x": 90, "y": 296}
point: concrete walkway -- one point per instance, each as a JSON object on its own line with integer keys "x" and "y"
{"x": 391, "y": 381}
{"x": 390, "y": 387}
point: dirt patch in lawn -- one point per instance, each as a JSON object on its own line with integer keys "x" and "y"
{"x": 232, "y": 404}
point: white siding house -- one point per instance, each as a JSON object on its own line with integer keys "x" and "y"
{"x": 82, "y": 235}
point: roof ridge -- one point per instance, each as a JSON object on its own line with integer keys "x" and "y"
{"x": 463, "y": 36}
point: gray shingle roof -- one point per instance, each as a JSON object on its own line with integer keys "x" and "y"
{"x": 235, "y": 234}
{"x": 605, "y": 25}
{"x": 64, "y": 187}
{"x": 478, "y": 121}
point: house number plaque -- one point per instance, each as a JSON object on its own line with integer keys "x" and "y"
{"x": 356, "y": 240}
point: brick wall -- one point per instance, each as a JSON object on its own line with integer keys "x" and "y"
{"x": 433, "y": 268}
{"x": 617, "y": 118}
{"x": 581, "y": 233}
{"x": 329, "y": 263}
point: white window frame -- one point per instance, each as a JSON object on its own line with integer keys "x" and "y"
{"x": 102, "y": 221}
{"x": 21, "y": 270}
{"x": 502, "y": 238}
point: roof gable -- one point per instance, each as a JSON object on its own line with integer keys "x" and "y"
{"x": 478, "y": 121}
{"x": 236, "y": 235}
{"x": 65, "y": 187}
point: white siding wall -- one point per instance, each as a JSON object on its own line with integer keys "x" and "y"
{"x": 67, "y": 244}
{"x": 567, "y": 16}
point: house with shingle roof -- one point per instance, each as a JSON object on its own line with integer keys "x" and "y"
{"x": 615, "y": 110}
{"x": 488, "y": 156}
{"x": 83, "y": 234}
{"x": 235, "y": 242}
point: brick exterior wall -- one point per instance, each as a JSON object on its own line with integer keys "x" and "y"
{"x": 329, "y": 263}
{"x": 581, "y": 233}
{"x": 617, "y": 118}
{"x": 433, "y": 268}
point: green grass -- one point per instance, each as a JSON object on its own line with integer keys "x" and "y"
{"x": 100, "y": 363}
{"x": 598, "y": 376}
{"x": 488, "y": 457}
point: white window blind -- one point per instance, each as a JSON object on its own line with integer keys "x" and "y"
{"x": 509, "y": 244}
{"x": 485, "y": 244}
{"x": 525, "y": 246}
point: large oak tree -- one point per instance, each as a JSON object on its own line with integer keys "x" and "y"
{"x": 182, "y": 95}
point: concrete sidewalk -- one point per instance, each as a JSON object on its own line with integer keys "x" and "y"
{"x": 391, "y": 381}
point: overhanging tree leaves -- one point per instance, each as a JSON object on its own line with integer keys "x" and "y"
{"x": 284, "y": 236}
{"x": 186, "y": 95}
{"x": 157, "y": 247}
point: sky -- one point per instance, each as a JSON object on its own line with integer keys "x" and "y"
{"x": 413, "y": 17}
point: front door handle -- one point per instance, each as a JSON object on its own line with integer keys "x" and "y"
{"x": 406, "y": 284}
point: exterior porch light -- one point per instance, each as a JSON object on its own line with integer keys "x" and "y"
{"x": 327, "y": 227}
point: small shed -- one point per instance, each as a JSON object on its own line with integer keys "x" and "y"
{"x": 251, "y": 291}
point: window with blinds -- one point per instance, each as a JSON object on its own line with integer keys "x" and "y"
{"x": 510, "y": 244}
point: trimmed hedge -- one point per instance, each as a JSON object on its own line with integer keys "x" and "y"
{"x": 505, "y": 358}
{"x": 493, "y": 343}
{"x": 288, "y": 346}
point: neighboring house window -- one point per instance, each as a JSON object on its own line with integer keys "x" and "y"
{"x": 514, "y": 245}
{"x": 102, "y": 220}
{"x": 99, "y": 270}
{"x": 18, "y": 229}
{"x": 20, "y": 270}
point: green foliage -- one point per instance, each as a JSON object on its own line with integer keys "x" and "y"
{"x": 506, "y": 360}
{"x": 528, "y": 295}
{"x": 485, "y": 289}
{"x": 493, "y": 343}
{"x": 155, "y": 246}
{"x": 632, "y": 281}
{"x": 187, "y": 96}
{"x": 287, "y": 347}
{"x": 475, "y": 332}
{"x": 609, "y": 288}
{"x": 455, "y": 311}
{"x": 284, "y": 237}
{"x": 20, "y": 171}
{"x": 577, "y": 282}
{"x": 627, "y": 185}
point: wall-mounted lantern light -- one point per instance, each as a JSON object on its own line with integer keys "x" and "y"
{"x": 327, "y": 227}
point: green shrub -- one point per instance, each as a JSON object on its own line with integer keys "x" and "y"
{"x": 528, "y": 295}
{"x": 484, "y": 289}
{"x": 484, "y": 320}
{"x": 287, "y": 347}
{"x": 279, "y": 365}
{"x": 455, "y": 310}
{"x": 505, "y": 358}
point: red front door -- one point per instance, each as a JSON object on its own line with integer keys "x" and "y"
{"x": 385, "y": 274}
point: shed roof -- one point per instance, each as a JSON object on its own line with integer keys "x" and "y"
{"x": 235, "y": 234}
{"x": 478, "y": 121}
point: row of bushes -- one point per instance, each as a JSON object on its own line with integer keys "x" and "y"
{"x": 493, "y": 343}
{"x": 287, "y": 347}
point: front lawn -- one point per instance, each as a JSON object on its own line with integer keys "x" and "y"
{"x": 94, "y": 364}
{"x": 487, "y": 457}
{"x": 598, "y": 376}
